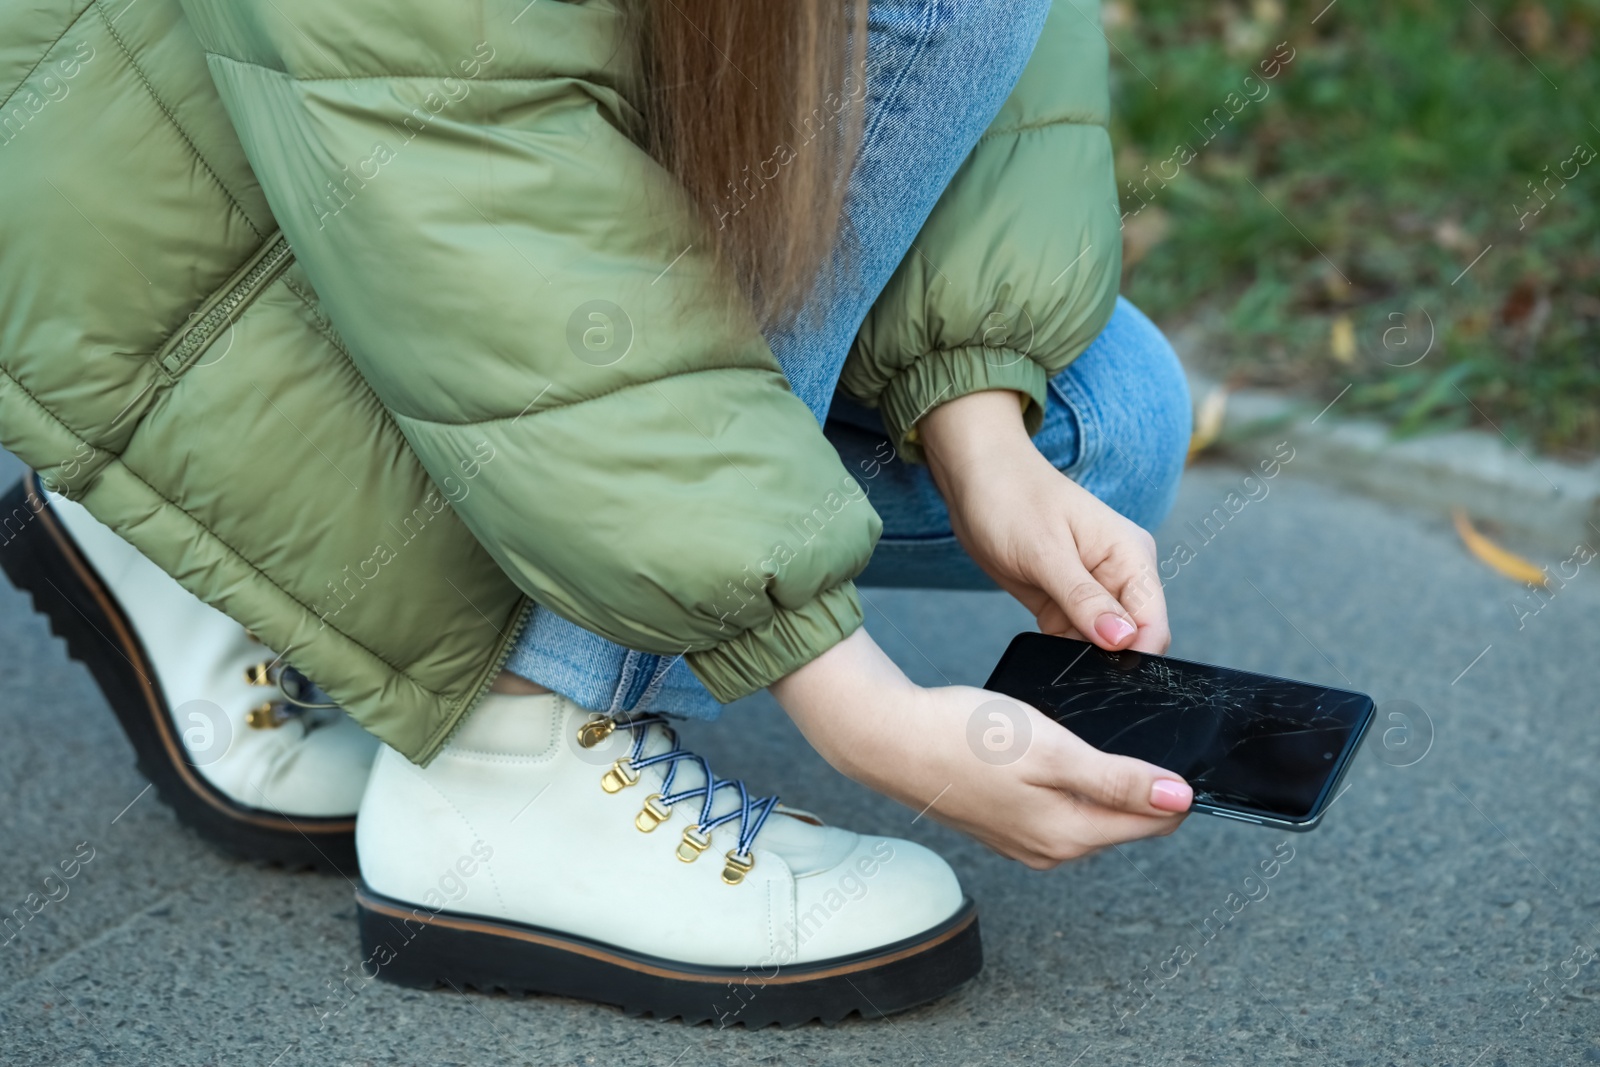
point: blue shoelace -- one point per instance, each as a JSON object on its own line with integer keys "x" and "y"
{"x": 751, "y": 813}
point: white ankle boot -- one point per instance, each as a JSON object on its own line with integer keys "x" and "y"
{"x": 216, "y": 722}
{"x": 549, "y": 849}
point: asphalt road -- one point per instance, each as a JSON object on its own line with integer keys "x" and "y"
{"x": 1445, "y": 913}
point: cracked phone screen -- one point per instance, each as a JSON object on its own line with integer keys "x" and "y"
{"x": 1242, "y": 740}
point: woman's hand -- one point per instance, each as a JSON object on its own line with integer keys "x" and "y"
{"x": 1043, "y": 798}
{"x": 1081, "y": 568}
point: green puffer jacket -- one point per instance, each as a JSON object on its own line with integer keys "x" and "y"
{"x": 370, "y": 321}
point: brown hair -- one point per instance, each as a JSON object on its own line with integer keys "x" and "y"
{"x": 755, "y": 106}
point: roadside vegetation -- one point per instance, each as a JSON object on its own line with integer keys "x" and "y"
{"x": 1320, "y": 199}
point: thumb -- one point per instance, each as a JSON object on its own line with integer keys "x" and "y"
{"x": 1089, "y": 606}
{"x": 1121, "y": 783}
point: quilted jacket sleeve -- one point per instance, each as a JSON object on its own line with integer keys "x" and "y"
{"x": 1021, "y": 257}
{"x": 524, "y": 289}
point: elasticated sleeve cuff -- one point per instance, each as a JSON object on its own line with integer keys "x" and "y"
{"x": 793, "y": 637}
{"x": 941, "y": 376}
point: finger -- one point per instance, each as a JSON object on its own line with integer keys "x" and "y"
{"x": 1154, "y": 636}
{"x": 1153, "y": 641}
{"x": 1089, "y": 606}
{"x": 1105, "y": 828}
{"x": 1130, "y": 574}
{"x": 1052, "y": 620}
{"x": 1120, "y": 783}
{"x": 1083, "y": 827}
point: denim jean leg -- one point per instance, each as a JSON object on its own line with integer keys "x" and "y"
{"x": 1117, "y": 421}
{"x": 938, "y": 71}
{"x": 1119, "y": 418}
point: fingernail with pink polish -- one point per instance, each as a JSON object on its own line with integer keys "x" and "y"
{"x": 1113, "y": 628}
{"x": 1169, "y": 795}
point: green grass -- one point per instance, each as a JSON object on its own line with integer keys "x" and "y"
{"x": 1368, "y": 175}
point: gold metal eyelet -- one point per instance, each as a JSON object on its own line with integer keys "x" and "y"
{"x": 260, "y": 673}
{"x": 653, "y": 814}
{"x": 735, "y": 870}
{"x": 596, "y": 730}
{"x": 694, "y": 842}
{"x": 268, "y": 716}
{"x": 619, "y": 777}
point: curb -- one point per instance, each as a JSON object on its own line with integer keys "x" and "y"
{"x": 1536, "y": 502}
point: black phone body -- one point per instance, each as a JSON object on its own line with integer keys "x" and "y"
{"x": 1255, "y": 748}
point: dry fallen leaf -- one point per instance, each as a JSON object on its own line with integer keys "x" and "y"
{"x": 1208, "y": 420}
{"x": 1142, "y": 231}
{"x": 1267, "y": 12}
{"x": 1116, "y": 15}
{"x": 1342, "y": 340}
{"x": 1534, "y": 25}
{"x": 1520, "y": 302}
{"x": 1507, "y": 563}
{"x": 1452, "y": 238}
{"x": 1242, "y": 36}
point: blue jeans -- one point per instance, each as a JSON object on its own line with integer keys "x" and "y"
{"x": 1117, "y": 420}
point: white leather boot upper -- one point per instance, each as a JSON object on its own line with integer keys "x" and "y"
{"x": 511, "y": 821}
{"x": 314, "y": 764}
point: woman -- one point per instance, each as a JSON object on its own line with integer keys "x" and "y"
{"x": 388, "y": 324}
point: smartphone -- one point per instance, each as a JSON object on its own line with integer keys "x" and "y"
{"x": 1255, "y": 748}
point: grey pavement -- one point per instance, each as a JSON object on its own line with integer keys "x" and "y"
{"x": 1546, "y": 504}
{"x": 1446, "y": 913}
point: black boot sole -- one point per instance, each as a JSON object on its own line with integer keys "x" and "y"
{"x": 41, "y": 559}
{"x": 425, "y": 949}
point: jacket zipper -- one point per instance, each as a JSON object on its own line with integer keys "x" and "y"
{"x": 185, "y": 347}
{"x": 524, "y": 616}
